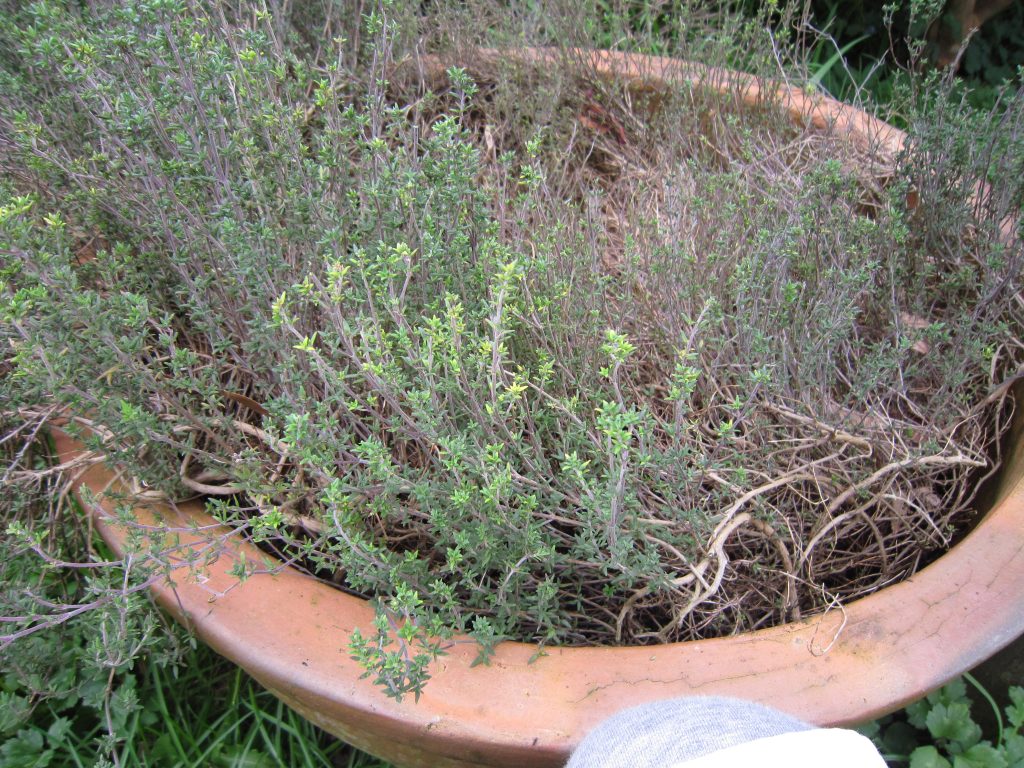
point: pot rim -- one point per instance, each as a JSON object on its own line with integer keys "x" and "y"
{"x": 848, "y": 665}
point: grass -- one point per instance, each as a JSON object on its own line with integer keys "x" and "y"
{"x": 200, "y": 711}
{"x": 239, "y": 723}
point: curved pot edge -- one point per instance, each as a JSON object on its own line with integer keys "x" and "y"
{"x": 886, "y": 649}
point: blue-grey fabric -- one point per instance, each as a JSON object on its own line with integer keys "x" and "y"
{"x": 661, "y": 733}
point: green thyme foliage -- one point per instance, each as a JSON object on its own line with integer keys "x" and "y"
{"x": 192, "y": 708}
{"x": 939, "y": 731}
{"x": 75, "y": 625}
{"x": 499, "y": 349}
{"x": 404, "y": 669}
{"x": 92, "y": 674}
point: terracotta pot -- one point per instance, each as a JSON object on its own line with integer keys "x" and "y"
{"x": 291, "y": 632}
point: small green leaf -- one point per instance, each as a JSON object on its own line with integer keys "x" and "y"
{"x": 58, "y": 731}
{"x": 917, "y": 713}
{"x": 1015, "y": 712}
{"x": 14, "y": 711}
{"x": 982, "y": 755}
{"x": 953, "y": 722}
{"x": 537, "y": 655}
{"x": 25, "y": 750}
{"x": 1013, "y": 747}
{"x": 928, "y": 757}
{"x": 308, "y": 343}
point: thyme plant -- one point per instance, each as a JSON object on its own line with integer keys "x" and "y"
{"x": 562, "y": 365}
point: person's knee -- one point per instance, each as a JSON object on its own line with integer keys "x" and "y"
{"x": 715, "y": 731}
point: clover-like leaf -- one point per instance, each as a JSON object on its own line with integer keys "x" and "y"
{"x": 1013, "y": 748}
{"x": 982, "y": 755}
{"x": 953, "y": 722}
{"x": 25, "y": 750}
{"x": 14, "y": 711}
{"x": 1015, "y": 712}
{"x": 928, "y": 757}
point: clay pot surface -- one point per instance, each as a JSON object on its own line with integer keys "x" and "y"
{"x": 847, "y": 666}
